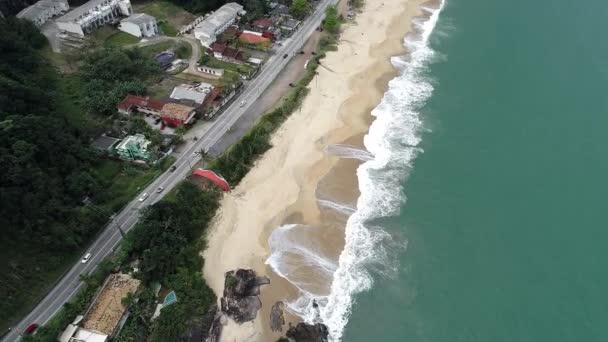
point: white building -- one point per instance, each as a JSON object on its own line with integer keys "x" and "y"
{"x": 95, "y": 13}
{"x": 139, "y": 25}
{"x": 188, "y": 92}
{"x": 43, "y": 10}
{"x": 209, "y": 28}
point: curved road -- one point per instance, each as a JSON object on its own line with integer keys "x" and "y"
{"x": 110, "y": 237}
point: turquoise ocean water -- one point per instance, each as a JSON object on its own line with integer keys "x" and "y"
{"x": 506, "y": 217}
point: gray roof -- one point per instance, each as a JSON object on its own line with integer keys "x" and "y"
{"x": 34, "y": 10}
{"x": 77, "y": 12}
{"x": 218, "y": 18}
{"x": 139, "y": 18}
{"x": 188, "y": 93}
{"x": 291, "y": 23}
{"x": 104, "y": 142}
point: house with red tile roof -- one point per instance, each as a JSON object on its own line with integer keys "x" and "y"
{"x": 253, "y": 37}
{"x": 262, "y": 24}
{"x": 143, "y": 104}
{"x": 175, "y": 114}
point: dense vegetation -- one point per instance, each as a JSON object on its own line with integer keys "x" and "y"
{"x": 109, "y": 74}
{"x": 166, "y": 244}
{"x": 47, "y": 166}
{"x": 43, "y": 163}
{"x": 299, "y": 9}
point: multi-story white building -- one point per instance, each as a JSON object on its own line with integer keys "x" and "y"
{"x": 95, "y": 13}
{"x": 139, "y": 25}
{"x": 44, "y": 10}
{"x": 207, "y": 30}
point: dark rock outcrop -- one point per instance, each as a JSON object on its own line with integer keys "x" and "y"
{"x": 307, "y": 333}
{"x": 215, "y": 328}
{"x": 276, "y": 317}
{"x": 241, "y": 290}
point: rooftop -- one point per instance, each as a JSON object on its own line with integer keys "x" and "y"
{"x": 252, "y": 38}
{"x": 106, "y": 311}
{"x": 34, "y": 10}
{"x": 92, "y": 5}
{"x": 290, "y": 23}
{"x": 176, "y": 111}
{"x": 219, "y": 18}
{"x": 139, "y": 18}
{"x": 140, "y": 101}
{"x": 104, "y": 142}
{"x": 188, "y": 92}
{"x": 264, "y": 22}
{"x": 218, "y": 47}
{"x": 132, "y": 142}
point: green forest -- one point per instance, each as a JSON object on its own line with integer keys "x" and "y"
{"x": 47, "y": 166}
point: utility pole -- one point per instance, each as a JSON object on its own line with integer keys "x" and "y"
{"x": 88, "y": 202}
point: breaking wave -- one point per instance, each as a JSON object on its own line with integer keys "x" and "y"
{"x": 392, "y": 140}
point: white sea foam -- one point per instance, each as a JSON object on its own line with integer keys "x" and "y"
{"x": 397, "y": 126}
{"x": 392, "y": 144}
{"x": 295, "y": 255}
{"x": 338, "y": 207}
{"x": 348, "y": 151}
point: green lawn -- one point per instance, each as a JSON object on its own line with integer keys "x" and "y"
{"x": 172, "y": 16}
{"x": 161, "y": 9}
{"x": 167, "y": 29}
{"x": 127, "y": 180}
{"x": 152, "y": 50}
{"x": 213, "y": 62}
{"x": 120, "y": 39}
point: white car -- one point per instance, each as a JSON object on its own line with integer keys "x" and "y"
{"x": 86, "y": 258}
{"x": 160, "y": 189}
{"x": 242, "y": 103}
{"x": 143, "y": 197}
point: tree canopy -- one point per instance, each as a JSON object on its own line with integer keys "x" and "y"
{"x": 331, "y": 22}
{"x": 299, "y": 9}
{"x": 109, "y": 74}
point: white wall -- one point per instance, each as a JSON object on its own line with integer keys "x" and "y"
{"x": 70, "y": 27}
{"x": 130, "y": 28}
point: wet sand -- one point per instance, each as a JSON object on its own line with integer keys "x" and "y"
{"x": 286, "y": 183}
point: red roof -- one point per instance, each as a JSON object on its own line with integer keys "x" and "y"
{"x": 212, "y": 96}
{"x": 231, "y": 53}
{"x": 264, "y": 22}
{"x": 252, "y": 38}
{"x": 217, "y": 47}
{"x": 140, "y": 101}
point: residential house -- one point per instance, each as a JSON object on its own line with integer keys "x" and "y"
{"x": 207, "y": 30}
{"x": 280, "y": 9}
{"x": 211, "y": 71}
{"x": 143, "y": 104}
{"x": 104, "y": 143}
{"x": 134, "y": 147}
{"x": 43, "y": 10}
{"x": 252, "y": 37}
{"x": 92, "y": 15}
{"x": 175, "y": 114}
{"x": 139, "y": 25}
{"x": 225, "y": 53}
{"x": 262, "y": 25}
{"x": 290, "y": 25}
{"x": 190, "y": 92}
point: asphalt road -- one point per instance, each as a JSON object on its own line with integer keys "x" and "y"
{"x": 110, "y": 237}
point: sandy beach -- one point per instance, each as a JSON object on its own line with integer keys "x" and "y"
{"x": 285, "y": 186}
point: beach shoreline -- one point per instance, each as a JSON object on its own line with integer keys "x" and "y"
{"x": 283, "y": 186}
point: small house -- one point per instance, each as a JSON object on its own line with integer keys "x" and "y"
{"x": 139, "y": 25}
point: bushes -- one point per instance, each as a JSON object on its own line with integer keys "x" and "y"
{"x": 109, "y": 74}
